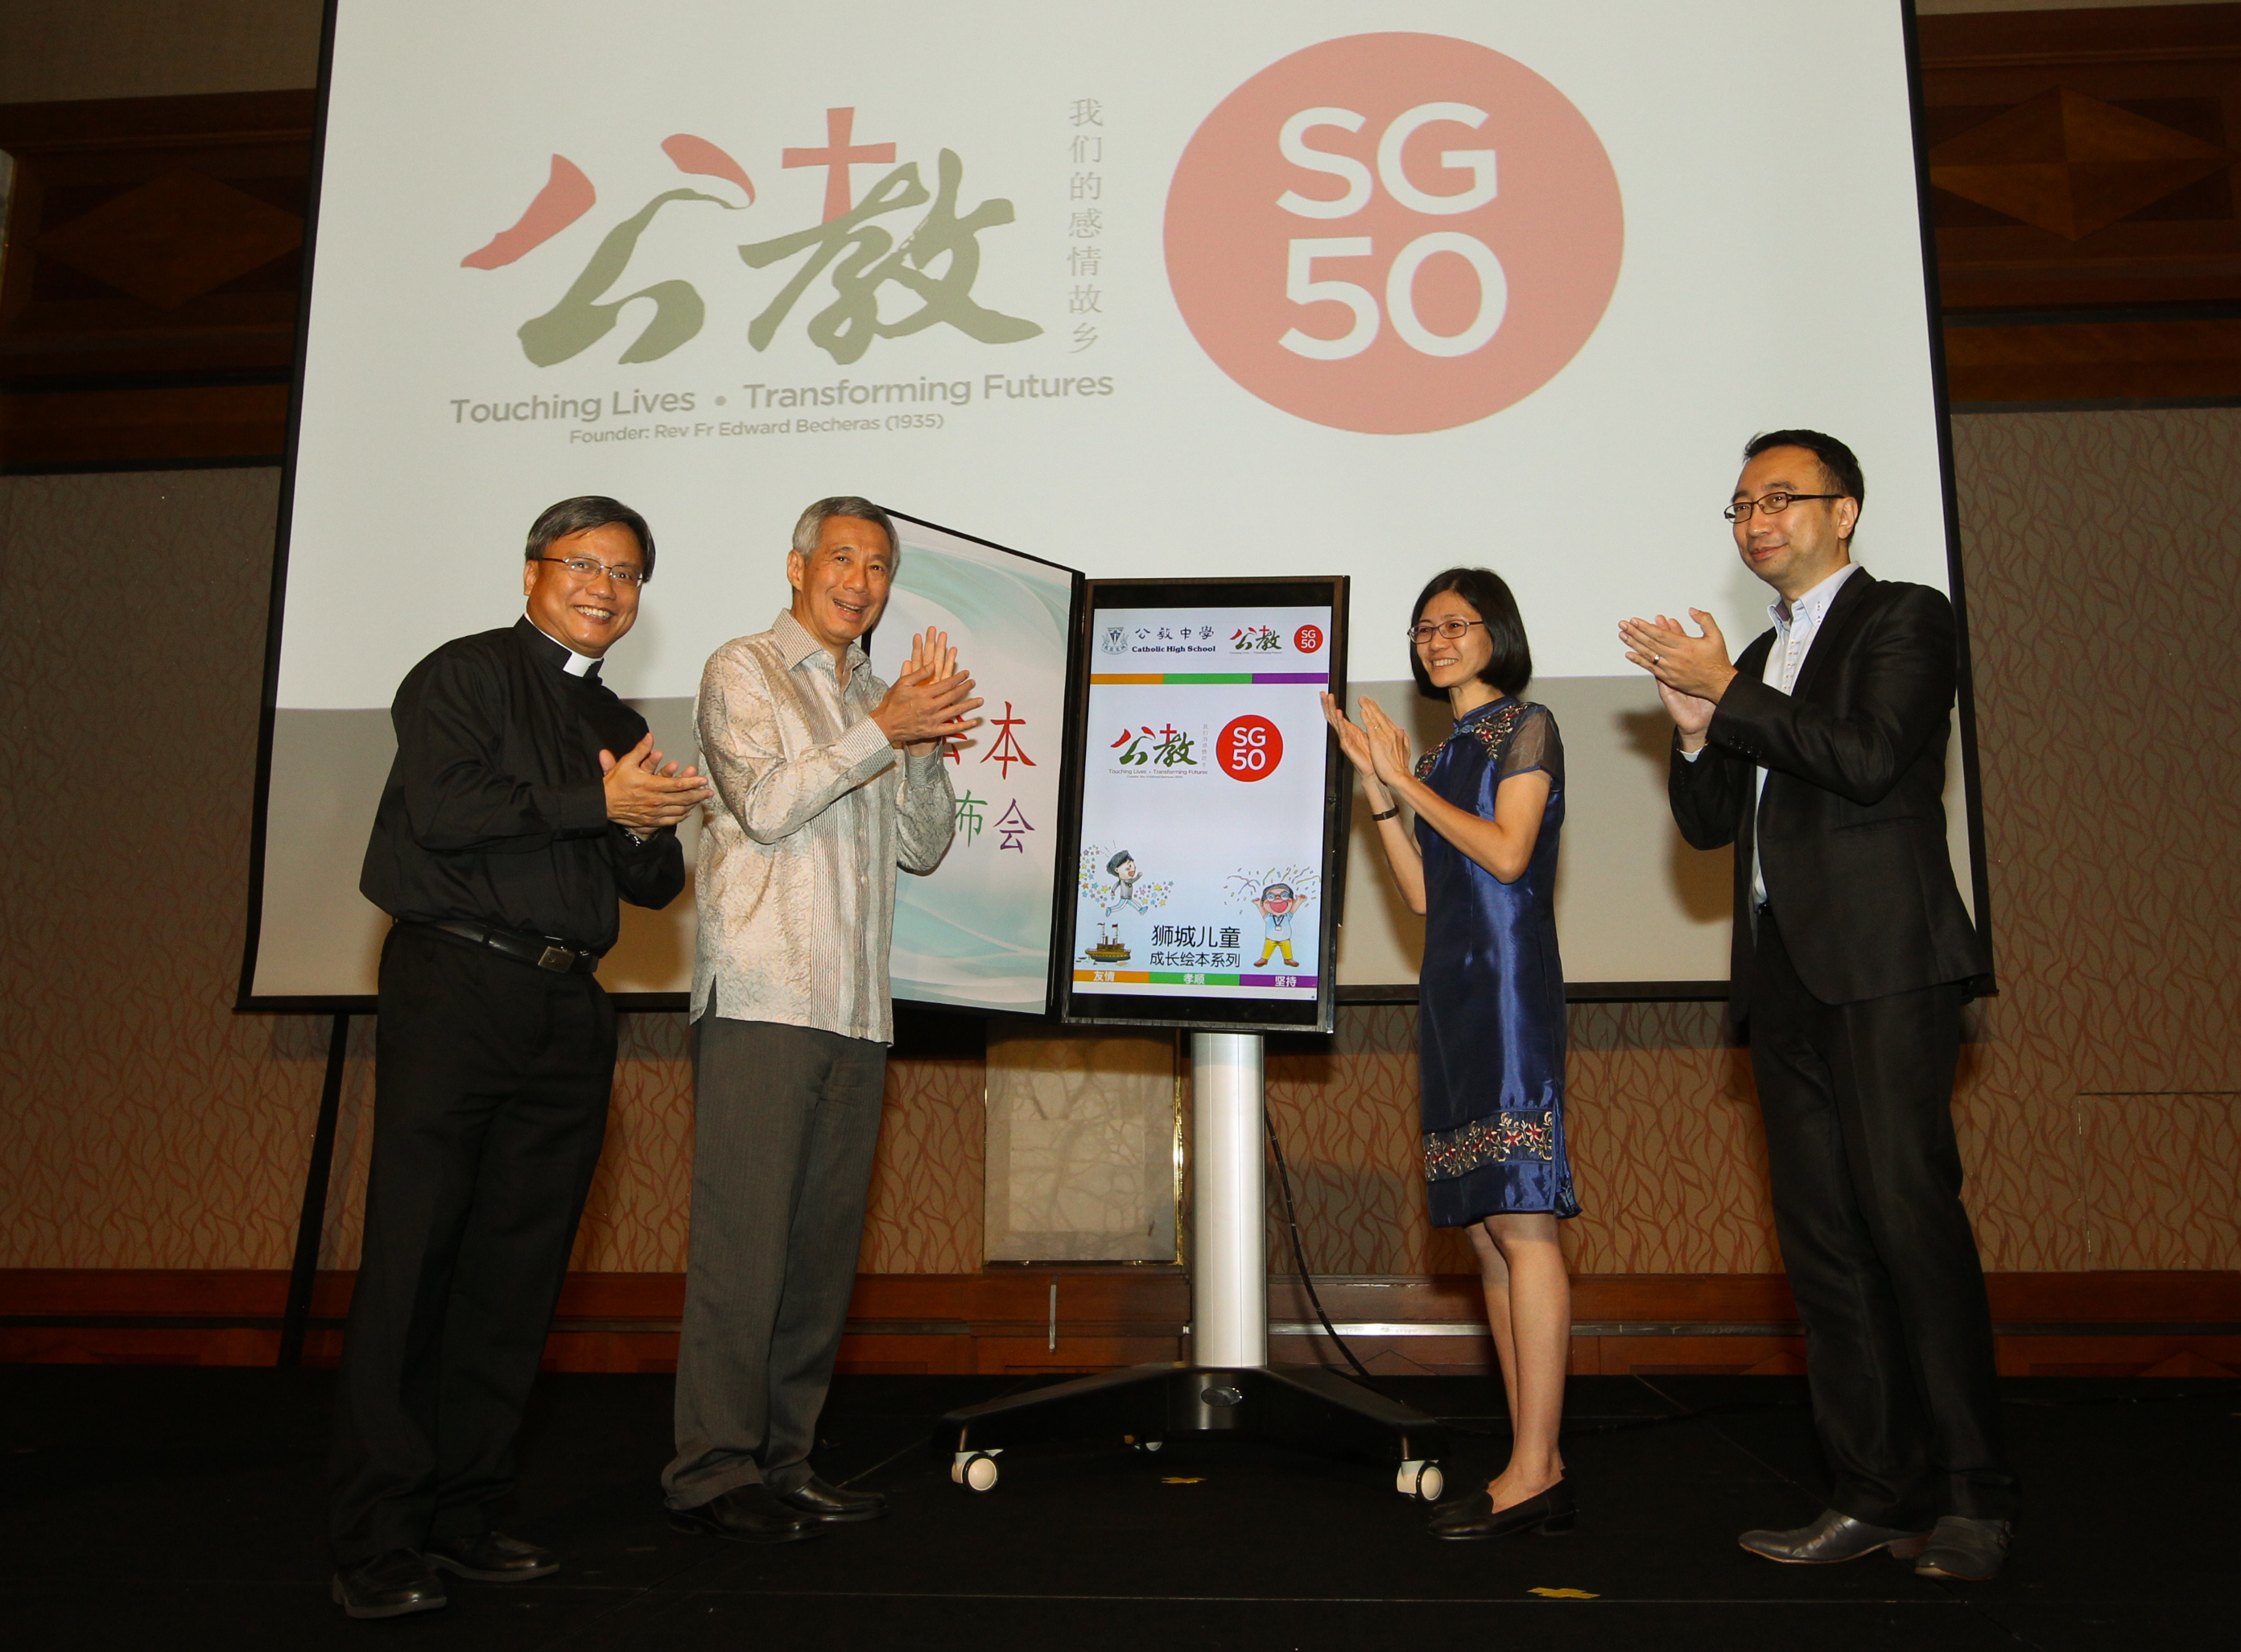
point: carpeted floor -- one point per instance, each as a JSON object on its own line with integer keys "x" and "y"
{"x": 148, "y": 1509}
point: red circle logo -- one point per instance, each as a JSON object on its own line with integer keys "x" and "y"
{"x": 1249, "y": 748}
{"x": 1394, "y": 233}
{"x": 1307, "y": 638}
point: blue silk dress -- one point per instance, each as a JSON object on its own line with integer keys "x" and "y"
{"x": 1490, "y": 1029}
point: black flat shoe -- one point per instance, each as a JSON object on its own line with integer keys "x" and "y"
{"x": 830, "y": 1504}
{"x": 389, "y": 1585}
{"x": 1551, "y": 1512}
{"x": 492, "y": 1557}
{"x": 1448, "y": 1505}
{"x": 747, "y": 1515}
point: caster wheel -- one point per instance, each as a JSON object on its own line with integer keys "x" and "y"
{"x": 1423, "y": 1481}
{"x": 975, "y": 1470}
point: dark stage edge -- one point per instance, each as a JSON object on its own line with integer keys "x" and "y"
{"x": 155, "y": 1508}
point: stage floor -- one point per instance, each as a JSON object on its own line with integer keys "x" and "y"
{"x": 156, "y": 1510}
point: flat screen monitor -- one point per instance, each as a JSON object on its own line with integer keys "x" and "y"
{"x": 1211, "y": 815}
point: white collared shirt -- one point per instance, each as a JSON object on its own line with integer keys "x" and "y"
{"x": 813, "y": 813}
{"x": 1796, "y": 625}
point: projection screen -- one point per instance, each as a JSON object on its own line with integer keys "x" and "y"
{"x": 1185, "y": 290}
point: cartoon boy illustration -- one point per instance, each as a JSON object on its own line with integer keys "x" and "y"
{"x": 1123, "y": 866}
{"x": 1276, "y": 905}
{"x": 1118, "y": 899}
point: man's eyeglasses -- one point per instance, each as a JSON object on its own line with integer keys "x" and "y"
{"x": 586, "y": 568}
{"x": 1450, "y": 629}
{"x": 1773, "y": 503}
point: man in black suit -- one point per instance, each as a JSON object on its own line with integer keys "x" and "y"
{"x": 1820, "y": 755}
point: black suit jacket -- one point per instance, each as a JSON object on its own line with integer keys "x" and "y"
{"x": 1851, "y": 828}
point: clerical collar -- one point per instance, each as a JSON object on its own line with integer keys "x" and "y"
{"x": 575, "y": 664}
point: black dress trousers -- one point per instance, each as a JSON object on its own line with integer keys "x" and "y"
{"x": 1858, "y": 1100}
{"x": 490, "y": 1086}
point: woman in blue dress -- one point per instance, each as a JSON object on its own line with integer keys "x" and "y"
{"x": 1480, "y": 866}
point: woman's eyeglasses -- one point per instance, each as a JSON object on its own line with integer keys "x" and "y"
{"x": 1449, "y": 629}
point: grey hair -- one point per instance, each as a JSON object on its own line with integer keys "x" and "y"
{"x": 810, "y": 528}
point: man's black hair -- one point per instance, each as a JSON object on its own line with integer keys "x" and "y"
{"x": 1838, "y": 462}
{"x": 588, "y": 511}
{"x": 1511, "y": 667}
{"x": 1119, "y": 860}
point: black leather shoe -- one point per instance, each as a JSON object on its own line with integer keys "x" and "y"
{"x": 1831, "y": 1538}
{"x": 389, "y": 1586}
{"x": 493, "y": 1557}
{"x": 814, "y": 1498}
{"x": 1965, "y": 1549}
{"x": 1551, "y": 1512}
{"x": 747, "y": 1515}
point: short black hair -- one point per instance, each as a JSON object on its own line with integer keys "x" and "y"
{"x": 1511, "y": 667}
{"x": 1120, "y": 857}
{"x": 1841, "y": 464}
{"x": 582, "y": 513}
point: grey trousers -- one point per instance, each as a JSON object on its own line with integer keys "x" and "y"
{"x": 784, "y": 1122}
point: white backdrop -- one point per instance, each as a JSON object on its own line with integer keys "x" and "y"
{"x": 1749, "y": 259}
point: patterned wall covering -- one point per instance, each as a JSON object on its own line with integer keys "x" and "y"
{"x": 2100, "y": 1107}
{"x": 925, "y": 1215}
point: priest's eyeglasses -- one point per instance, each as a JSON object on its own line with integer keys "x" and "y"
{"x": 1773, "y": 503}
{"x": 586, "y": 568}
{"x": 1450, "y": 629}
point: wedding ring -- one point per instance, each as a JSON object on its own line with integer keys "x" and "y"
{"x": 1657, "y": 659}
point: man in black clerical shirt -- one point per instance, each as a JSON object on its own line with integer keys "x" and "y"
{"x": 524, "y": 798}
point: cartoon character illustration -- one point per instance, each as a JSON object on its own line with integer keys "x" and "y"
{"x": 1128, "y": 889}
{"x": 1276, "y": 905}
{"x": 1121, "y": 867}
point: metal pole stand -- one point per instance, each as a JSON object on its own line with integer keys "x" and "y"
{"x": 1229, "y": 1386}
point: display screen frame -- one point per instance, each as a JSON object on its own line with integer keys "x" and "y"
{"x": 1211, "y": 1014}
{"x": 1073, "y": 714}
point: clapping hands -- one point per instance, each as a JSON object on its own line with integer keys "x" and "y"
{"x": 644, "y": 794}
{"x": 1691, "y": 670}
{"x": 928, "y": 703}
{"x": 1377, "y": 748}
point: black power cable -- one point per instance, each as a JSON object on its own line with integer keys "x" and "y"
{"x": 1300, "y": 1251}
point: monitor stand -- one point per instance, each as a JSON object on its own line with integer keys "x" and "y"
{"x": 1229, "y": 1386}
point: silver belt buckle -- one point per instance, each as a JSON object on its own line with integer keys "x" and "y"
{"x": 559, "y": 960}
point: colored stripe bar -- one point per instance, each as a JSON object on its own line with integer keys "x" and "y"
{"x": 1191, "y": 977}
{"x": 1180, "y": 678}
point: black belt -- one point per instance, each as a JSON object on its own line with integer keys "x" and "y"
{"x": 542, "y": 951}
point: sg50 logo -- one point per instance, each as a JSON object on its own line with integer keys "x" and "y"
{"x": 1394, "y": 233}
